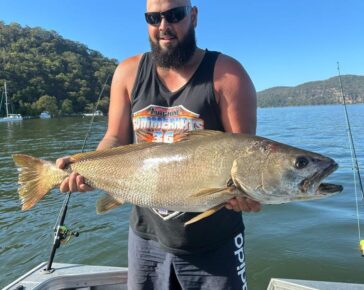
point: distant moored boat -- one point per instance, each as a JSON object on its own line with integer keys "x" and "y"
{"x": 45, "y": 115}
{"x": 96, "y": 113}
{"x": 9, "y": 117}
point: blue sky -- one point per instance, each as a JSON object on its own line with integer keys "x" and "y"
{"x": 279, "y": 42}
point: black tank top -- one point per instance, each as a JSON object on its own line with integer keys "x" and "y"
{"x": 159, "y": 115}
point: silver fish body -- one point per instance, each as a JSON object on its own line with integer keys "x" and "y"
{"x": 201, "y": 172}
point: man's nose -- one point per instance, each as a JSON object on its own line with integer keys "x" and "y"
{"x": 164, "y": 24}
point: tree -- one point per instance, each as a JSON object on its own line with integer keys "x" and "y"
{"x": 47, "y": 103}
{"x": 89, "y": 107}
{"x": 66, "y": 107}
{"x": 104, "y": 104}
{"x": 35, "y": 62}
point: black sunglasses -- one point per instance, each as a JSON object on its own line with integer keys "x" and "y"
{"x": 173, "y": 15}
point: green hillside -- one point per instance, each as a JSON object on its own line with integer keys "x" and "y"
{"x": 44, "y": 71}
{"x": 315, "y": 93}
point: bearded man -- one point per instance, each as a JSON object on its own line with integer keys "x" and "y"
{"x": 156, "y": 96}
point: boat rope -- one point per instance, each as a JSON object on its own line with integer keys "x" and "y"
{"x": 60, "y": 234}
{"x": 354, "y": 160}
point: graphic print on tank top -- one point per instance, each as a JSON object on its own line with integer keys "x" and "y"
{"x": 167, "y": 125}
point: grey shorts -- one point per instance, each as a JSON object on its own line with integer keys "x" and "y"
{"x": 150, "y": 267}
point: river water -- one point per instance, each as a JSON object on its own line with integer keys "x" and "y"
{"x": 316, "y": 240}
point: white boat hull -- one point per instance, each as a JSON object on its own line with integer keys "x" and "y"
{"x": 12, "y": 118}
{"x": 74, "y": 276}
{"x": 291, "y": 284}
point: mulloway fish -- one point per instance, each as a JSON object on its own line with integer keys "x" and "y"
{"x": 197, "y": 174}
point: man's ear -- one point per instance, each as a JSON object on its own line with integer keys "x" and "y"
{"x": 194, "y": 13}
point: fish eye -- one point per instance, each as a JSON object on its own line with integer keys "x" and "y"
{"x": 301, "y": 162}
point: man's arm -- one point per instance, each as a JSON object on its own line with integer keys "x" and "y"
{"x": 119, "y": 120}
{"x": 236, "y": 96}
{"x": 119, "y": 127}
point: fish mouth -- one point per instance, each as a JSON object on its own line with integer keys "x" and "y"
{"x": 329, "y": 188}
{"x": 313, "y": 182}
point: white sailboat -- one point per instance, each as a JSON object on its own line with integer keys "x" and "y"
{"x": 97, "y": 113}
{"x": 9, "y": 117}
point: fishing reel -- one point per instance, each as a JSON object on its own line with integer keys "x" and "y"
{"x": 62, "y": 234}
{"x": 361, "y": 247}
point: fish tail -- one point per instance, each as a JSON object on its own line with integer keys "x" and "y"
{"x": 36, "y": 178}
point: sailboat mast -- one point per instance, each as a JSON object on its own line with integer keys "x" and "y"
{"x": 6, "y": 100}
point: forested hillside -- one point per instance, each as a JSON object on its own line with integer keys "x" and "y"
{"x": 44, "y": 71}
{"x": 315, "y": 93}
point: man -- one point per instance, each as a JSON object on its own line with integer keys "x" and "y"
{"x": 154, "y": 97}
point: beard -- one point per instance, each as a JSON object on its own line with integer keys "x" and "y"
{"x": 174, "y": 56}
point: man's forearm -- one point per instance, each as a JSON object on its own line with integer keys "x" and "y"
{"x": 108, "y": 142}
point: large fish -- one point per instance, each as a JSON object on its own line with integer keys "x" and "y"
{"x": 197, "y": 174}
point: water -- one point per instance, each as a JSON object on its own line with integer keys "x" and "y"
{"x": 315, "y": 240}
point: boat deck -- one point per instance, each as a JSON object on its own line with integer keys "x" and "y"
{"x": 85, "y": 277}
{"x": 72, "y": 277}
{"x": 291, "y": 284}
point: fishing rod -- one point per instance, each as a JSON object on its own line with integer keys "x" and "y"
{"x": 61, "y": 233}
{"x": 354, "y": 161}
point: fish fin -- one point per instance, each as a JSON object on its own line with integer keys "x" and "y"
{"x": 36, "y": 178}
{"x": 208, "y": 191}
{"x": 205, "y": 214}
{"x": 192, "y": 135}
{"x": 183, "y": 136}
{"x": 106, "y": 203}
{"x": 197, "y": 134}
{"x": 203, "y": 133}
{"x": 237, "y": 181}
{"x": 230, "y": 189}
{"x": 230, "y": 182}
{"x": 113, "y": 151}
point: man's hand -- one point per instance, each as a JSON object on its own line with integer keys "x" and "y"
{"x": 245, "y": 204}
{"x": 74, "y": 182}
